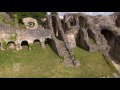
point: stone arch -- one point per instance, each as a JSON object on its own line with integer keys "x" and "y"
{"x": 11, "y": 45}
{"x": 25, "y": 44}
{"x": 36, "y": 41}
{"x": 47, "y": 41}
{"x": 113, "y": 42}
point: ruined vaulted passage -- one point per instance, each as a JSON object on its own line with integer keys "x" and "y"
{"x": 11, "y": 45}
{"x": 113, "y": 42}
{"x": 25, "y": 44}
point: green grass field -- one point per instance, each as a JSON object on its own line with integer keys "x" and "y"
{"x": 44, "y": 63}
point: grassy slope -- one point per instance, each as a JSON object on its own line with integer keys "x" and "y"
{"x": 45, "y": 63}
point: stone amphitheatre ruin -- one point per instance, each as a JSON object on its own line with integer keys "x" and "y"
{"x": 71, "y": 31}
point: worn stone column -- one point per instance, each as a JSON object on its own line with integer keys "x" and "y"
{"x": 42, "y": 41}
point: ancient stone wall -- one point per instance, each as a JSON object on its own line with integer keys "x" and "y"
{"x": 8, "y": 34}
{"x": 91, "y": 27}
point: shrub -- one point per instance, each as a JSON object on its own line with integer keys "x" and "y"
{"x": 4, "y": 43}
{"x": 13, "y": 37}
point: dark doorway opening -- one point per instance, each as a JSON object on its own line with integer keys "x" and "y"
{"x": 113, "y": 42}
{"x": 48, "y": 41}
{"x": 25, "y": 45}
{"x": 107, "y": 34}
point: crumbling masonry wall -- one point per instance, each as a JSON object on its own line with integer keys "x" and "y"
{"x": 104, "y": 30}
{"x": 29, "y": 35}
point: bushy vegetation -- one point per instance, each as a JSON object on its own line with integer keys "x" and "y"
{"x": 21, "y": 15}
{"x": 16, "y": 18}
{"x": 13, "y": 37}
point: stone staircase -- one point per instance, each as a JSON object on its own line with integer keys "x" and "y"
{"x": 68, "y": 61}
{"x": 61, "y": 47}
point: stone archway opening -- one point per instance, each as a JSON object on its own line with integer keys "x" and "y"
{"x": 25, "y": 44}
{"x": 36, "y": 41}
{"x": 11, "y": 45}
{"x": 48, "y": 41}
{"x": 113, "y": 42}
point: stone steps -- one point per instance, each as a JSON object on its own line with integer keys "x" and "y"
{"x": 67, "y": 60}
